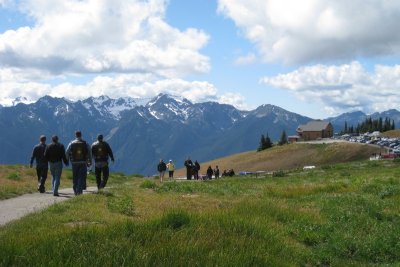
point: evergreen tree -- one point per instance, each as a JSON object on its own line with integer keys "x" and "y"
{"x": 265, "y": 143}
{"x": 262, "y": 143}
{"x": 268, "y": 143}
{"x": 370, "y": 125}
{"x": 380, "y": 125}
{"x": 283, "y": 139}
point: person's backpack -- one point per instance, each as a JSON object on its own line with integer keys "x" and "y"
{"x": 100, "y": 151}
{"x": 79, "y": 151}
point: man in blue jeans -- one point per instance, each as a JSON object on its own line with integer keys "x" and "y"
{"x": 80, "y": 156}
{"x": 55, "y": 155}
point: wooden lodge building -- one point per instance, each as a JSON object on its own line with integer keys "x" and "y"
{"x": 313, "y": 130}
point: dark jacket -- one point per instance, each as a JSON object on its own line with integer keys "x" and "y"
{"x": 209, "y": 172}
{"x": 188, "y": 164}
{"x": 38, "y": 156}
{"x": 197, "y": 166}
{"x": 162, "y": 167}
{"x": 101, "y": 150}
{"x": 79, "y": 152}
{"x": 55, "y": 152}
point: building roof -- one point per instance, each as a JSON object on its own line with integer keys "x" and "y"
{"x": 313, "y": 126}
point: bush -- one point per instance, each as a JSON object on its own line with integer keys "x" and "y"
{"x": 15, "y": 176}
{"x": 122, "y": 204}
{"x": 278, "y": 174}
{"x": 175, "y": 220}
{"x": 148, "y": 184}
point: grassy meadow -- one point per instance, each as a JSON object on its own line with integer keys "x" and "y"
{"x": 345, "y": 214}
{"x": 17, "y": 180}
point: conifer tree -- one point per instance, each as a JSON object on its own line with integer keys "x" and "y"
{"x": 268, "y": 143}
{"x": 283, "y": 139}
{"x": 262, "y": 143}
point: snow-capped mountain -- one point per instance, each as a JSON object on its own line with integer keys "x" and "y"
{"x": 141, "y": 132}
{"x": 166, "y": 107}
{"x": 107, "y": 107}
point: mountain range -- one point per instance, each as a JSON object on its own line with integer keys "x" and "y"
{"x": 141, "y": 133}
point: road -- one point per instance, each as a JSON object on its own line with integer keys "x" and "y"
{"x": 18, "y": 207}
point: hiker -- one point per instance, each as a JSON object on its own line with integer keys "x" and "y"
{"x": 161, "y": 167}
{"x": 189, "y": 166}
{"x": 101, "y": 151}
{"x": 196, "y": 169}
{"x": 216, "y": 172}
{"x": 171, "y": 169}
{"x": 209, "y": 173}
{"x": 55, "y": 155}
{"x": 41, "y": 163}
{"x": 80, "y": 156}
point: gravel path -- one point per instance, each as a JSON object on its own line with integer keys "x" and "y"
{"x": 16, "y": 208}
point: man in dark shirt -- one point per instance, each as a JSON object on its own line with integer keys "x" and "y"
{"x": 189, "y": 166}
{"x": 55, "y": 155}
{"x": 101, "y": 150}
{"x": 41, "y": 163}
{"x": 80, "y": 156}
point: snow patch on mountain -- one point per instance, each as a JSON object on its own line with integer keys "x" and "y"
{"x": 62, "y": 109}
{"x": 108, "y": 107}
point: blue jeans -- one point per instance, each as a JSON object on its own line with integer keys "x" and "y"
{"x": 55, "y": 170}
{"x": 79, "y": 173}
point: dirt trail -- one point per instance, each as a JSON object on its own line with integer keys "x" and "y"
{"x": 16, "y": 208}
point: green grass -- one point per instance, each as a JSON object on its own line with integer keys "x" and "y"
{"x": 335, "y": 215}
{"x": 14, "y": 176}
{"x": 17, "y": 180}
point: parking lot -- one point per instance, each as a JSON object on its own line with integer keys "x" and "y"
{"x": 392, "y": 145}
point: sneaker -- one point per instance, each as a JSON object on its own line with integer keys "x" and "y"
{"x": 56, "y": 195}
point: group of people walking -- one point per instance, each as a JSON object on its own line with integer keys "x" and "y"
{"x": 162, "y": 167}
{"x": 79, "y": 153}
{"x": 192, "y": 170}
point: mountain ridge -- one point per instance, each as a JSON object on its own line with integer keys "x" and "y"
{"x": 141, "y": 133}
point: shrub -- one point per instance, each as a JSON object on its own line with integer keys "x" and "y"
{"x": 175, "y": 220}
{"x": 122, "y": 204}
{"x": 137, "y": 175}
{"x": 148, "y": 184}
{"x": 15, "y": 176}
{"x": 279, "y": 173}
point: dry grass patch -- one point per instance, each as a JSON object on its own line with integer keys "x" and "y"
{"x": 391, "y": 134}
{"x": 291, "y": 156}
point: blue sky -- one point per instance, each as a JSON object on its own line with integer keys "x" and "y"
{"x": 318, "y": 58}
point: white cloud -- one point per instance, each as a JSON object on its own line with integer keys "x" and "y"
{"x": 100, "y": 36}
{"x": 234, "y": 99}
{"x": 4, "y": 3}
{"x": 307, "y": 31}
{"x": 343, "y": 88}
{"x": 132, "y": 85}
{"x": 245, "y": 60}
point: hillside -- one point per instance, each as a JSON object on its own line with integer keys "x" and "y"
{"x": 338, "y": 215}
{"x": 391, "y": 134}
{"x": 291, "y": 156}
